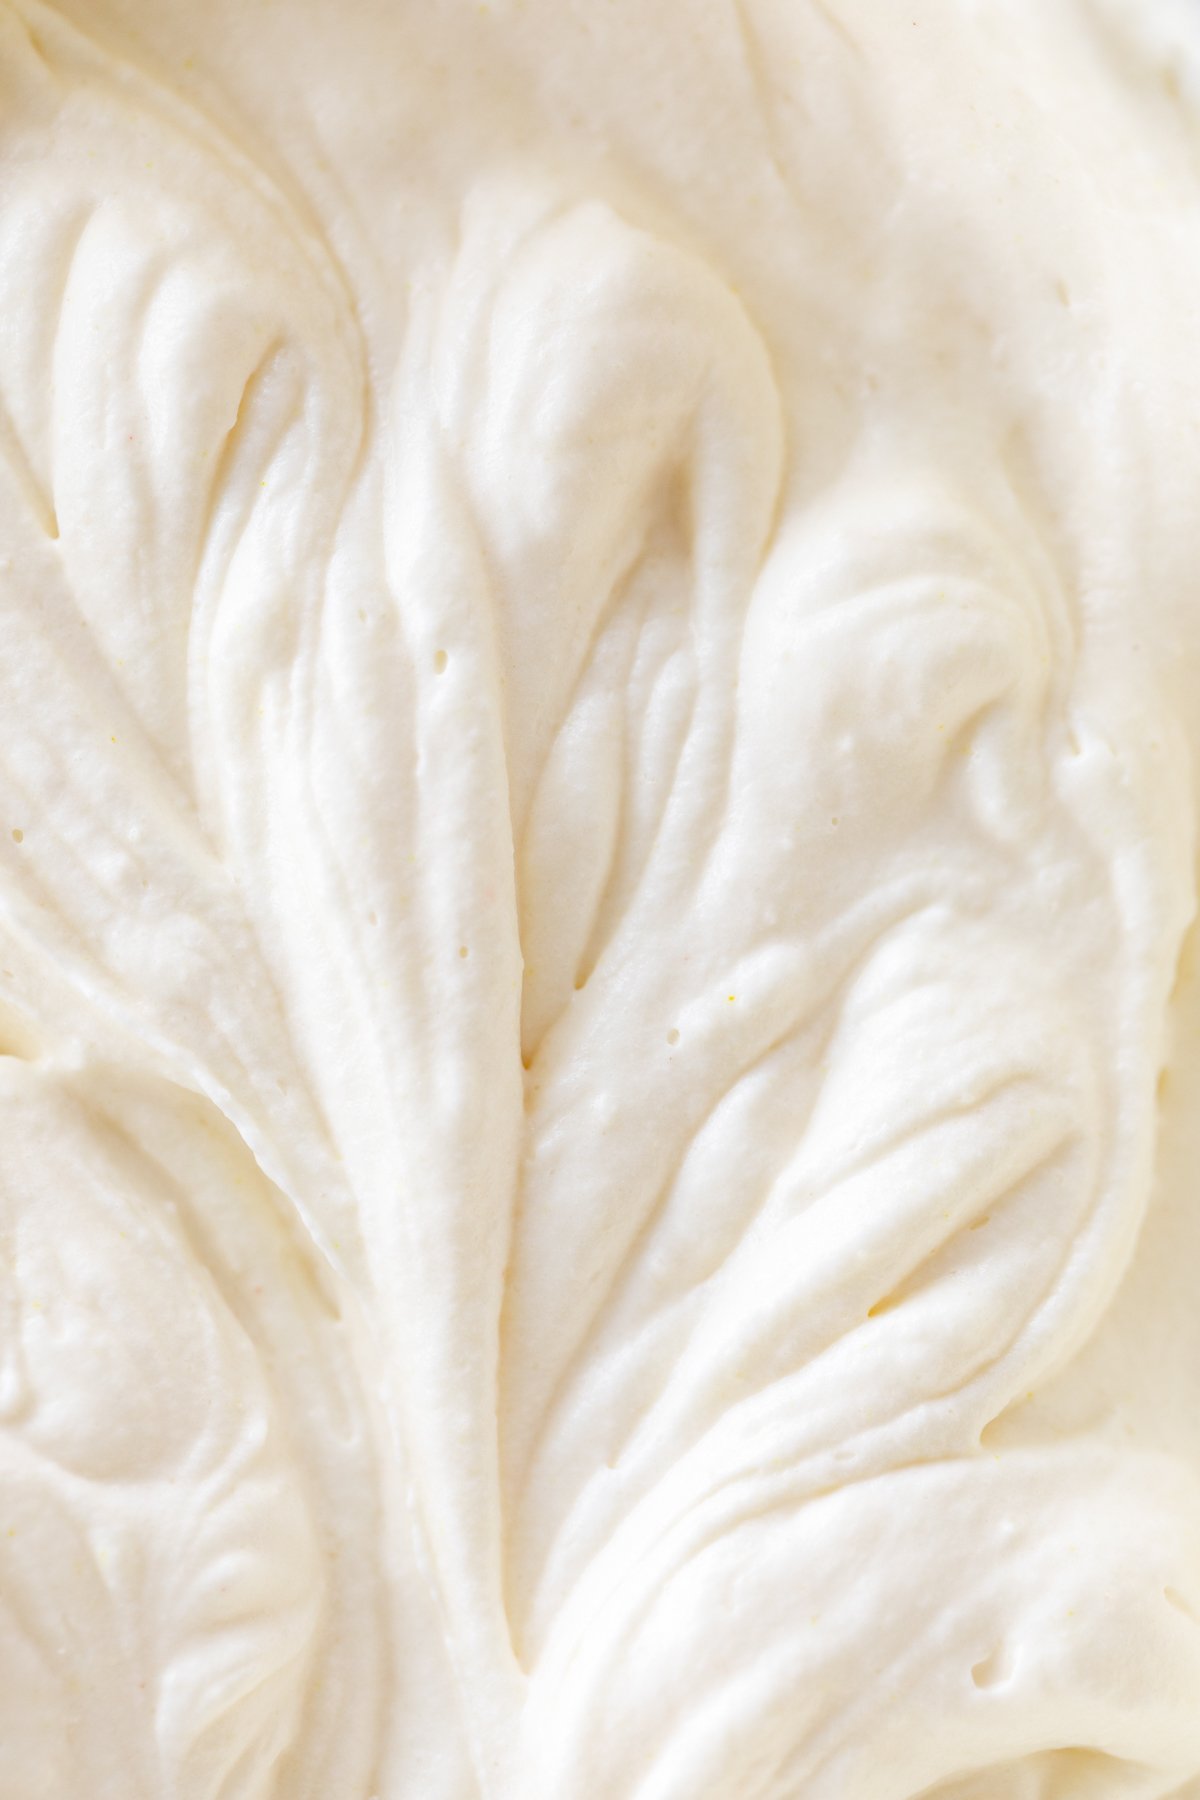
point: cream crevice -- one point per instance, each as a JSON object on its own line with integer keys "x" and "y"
{"x": 598, "y": 730}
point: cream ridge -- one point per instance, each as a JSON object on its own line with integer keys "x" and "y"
{"x": 599, "y": 716}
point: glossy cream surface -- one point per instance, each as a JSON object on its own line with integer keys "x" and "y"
{"x": 599, "y": 716}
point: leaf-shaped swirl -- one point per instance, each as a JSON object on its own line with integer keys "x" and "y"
{"x": 803, "y": 1199}
{"x": 196, "y": 378}
{"x": 161, "y": 1575}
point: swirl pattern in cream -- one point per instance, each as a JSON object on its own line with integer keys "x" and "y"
{"x": 596, "y": 833}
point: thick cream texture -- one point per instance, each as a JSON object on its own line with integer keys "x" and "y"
{"x": 599, "y": 718}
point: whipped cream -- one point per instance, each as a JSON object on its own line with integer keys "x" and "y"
{"x": 598, "y": 730}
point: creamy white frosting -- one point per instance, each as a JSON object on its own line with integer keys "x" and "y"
{"x": 598, "y": 725}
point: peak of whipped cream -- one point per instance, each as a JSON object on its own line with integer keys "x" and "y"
{"x": 599, "y": 715}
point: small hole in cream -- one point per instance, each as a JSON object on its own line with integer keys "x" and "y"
{"x": 992, "y": 1670}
